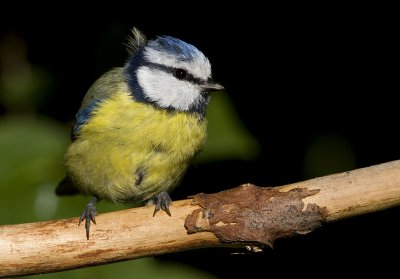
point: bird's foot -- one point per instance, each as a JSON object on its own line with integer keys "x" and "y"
{"x": 89, "y": 215}
{"x": 163, "y": 200}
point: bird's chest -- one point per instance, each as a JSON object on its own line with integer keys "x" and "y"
{"x": 123, "y": 138}
{"x": 144, "y": 131}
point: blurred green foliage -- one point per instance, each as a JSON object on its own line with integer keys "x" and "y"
{"x": 329, "y": 153}
{"x": 140, "y": 268}
{"x": 31, "y": 161}
{"x": 227, "y": 136}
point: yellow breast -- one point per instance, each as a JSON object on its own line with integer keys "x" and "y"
{"x": 130, "y": 151}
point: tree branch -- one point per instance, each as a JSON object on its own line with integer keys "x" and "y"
{"x": 247, "y": 215}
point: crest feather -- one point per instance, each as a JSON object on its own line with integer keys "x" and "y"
{"x": 136, "y": 41}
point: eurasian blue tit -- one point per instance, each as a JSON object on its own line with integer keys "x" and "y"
{"x": 139, "y": 126}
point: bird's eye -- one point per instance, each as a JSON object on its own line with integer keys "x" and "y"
{"x": 180, "y": 73}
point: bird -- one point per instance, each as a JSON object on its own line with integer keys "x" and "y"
{"x": 139, "y": 126}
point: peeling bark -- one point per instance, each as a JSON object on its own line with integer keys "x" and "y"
{"x": 255, "y": 214}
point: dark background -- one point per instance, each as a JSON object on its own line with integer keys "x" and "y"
{"x": 293, "y": 74}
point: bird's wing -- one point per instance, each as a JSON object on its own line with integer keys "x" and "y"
{"x": 102, "y": 89}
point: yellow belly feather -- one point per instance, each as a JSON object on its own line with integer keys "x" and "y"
{"x": 129, "y": 151}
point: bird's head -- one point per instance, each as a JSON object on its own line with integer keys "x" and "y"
{"x": 169, "y": 73}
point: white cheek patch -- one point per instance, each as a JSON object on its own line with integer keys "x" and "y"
{"x": 167, "y": 91}
{"x": 200, "y": 66}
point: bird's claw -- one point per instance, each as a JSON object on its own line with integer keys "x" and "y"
{"x": 89, "y": 214}
{"x": 163, "y": 201}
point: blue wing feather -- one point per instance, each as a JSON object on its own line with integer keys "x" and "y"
{"x": 102, "y": 89}
{"x": 82, "y": 118}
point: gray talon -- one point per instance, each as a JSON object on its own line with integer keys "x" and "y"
{"x": 163, "y": 201}
{"x": 89, "y": 214}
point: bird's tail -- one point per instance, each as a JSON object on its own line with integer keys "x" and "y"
{"x": 66, "y": 187}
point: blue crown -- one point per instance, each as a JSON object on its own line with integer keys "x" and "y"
{"x": 173, "y": 46}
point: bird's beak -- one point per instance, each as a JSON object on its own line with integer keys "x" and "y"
{"x": 211, "y": 86}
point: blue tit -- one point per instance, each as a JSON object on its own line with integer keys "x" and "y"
{"x": 139, "y": 126}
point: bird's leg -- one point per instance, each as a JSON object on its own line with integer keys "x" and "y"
{"x": 162, "y": 200}
{"x": 89, "y": 215}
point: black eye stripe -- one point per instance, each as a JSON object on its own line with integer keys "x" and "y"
{"x": 189, "y": 77}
